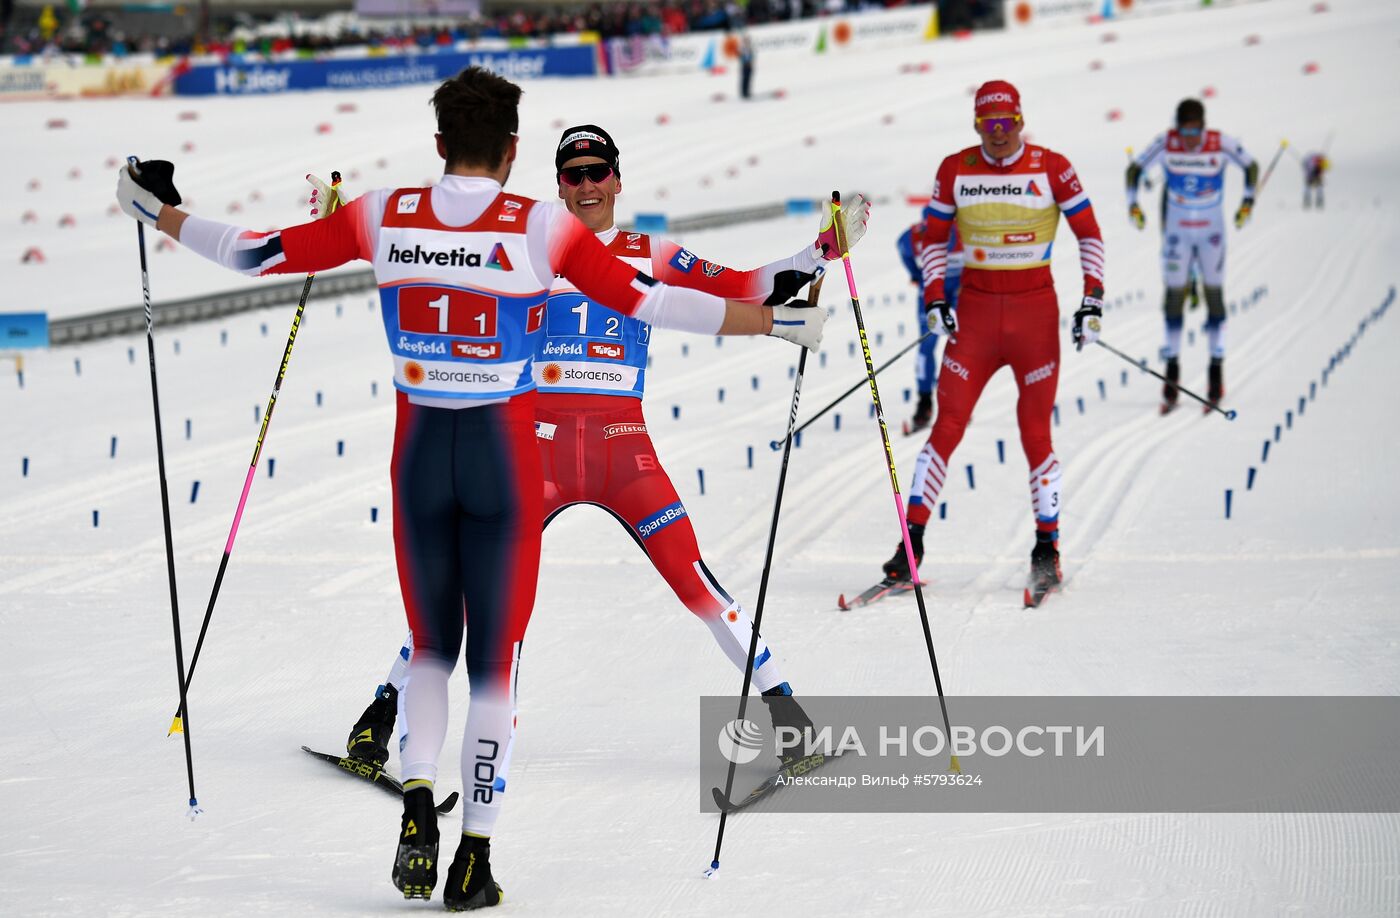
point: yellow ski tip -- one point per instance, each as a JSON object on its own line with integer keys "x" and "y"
{"x": 177, "y": 725}
{"x": 953, "y": 765}
{"x": 1284, "y": 142}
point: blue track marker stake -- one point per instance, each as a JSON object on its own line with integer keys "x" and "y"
{"x": 19, "y": 374}
{"x": 177, "y": 345}
{"x": 131, "y": 355}
{"x": 850, "y": 348}
{"x": 901, "y": 329}
{"x": 1055, "y": 413}
{"x": 685, "y": 350}
{"x": 374, "y": 514}
{"x": 257, "y": 413}
{"x": 676, "y": 412}
{"x": 719, "y": 341}
{"x": 1001, "y": 452}
{"x": 263, "y": 328}
{"x": 836, "y": 421}
{"x": 271, "y": 467}
{"x": 648, "y": 361}
{"x": 113, "y": 453}
{"x": 194, "y": 491}
{"x": 821, "y": 358}
{"x": 318, "y": 398}
{"x": 792, "y": 372}
{"x": 1288, "y": 419}
{"x": 701, "y": 474}
{"x": 750, "y": 457}
{"x": 971, "y": 483}
{"x": 872, "y": 409}
{"x": 879, "y": 338}
{"x": 374, "y": 390}
{"x": 1124, "y": 378}
{"x": 1103, "y": 390}
{"x": 1278, "y": 432}
{"x": 94, "y": 519}
{"x": 223, "y": 336}
{"x": 1312, "y": 390}
{"x": 1229, "y": 498}
{"x": 1265, "y": 457}
{"x": 943, "y": 510}
{"x": 24, "y": 467}
{"x": 754, "y": 381}
{"x": 1302, "y": 400}
{"x": 338, "y": 308}
{"x": 1249, "y": 479}
{"x": 77, "y": 367}
{"x": 340, "y": 447}
{"x": 1080, "y": 403}
{"x": 189, "y": 428}
{"x": 908, "y": 394}
{"x": 797, "y": 440}
{"x": 721, "y": 395}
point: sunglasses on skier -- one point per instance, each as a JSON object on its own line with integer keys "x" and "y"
{"x": 1004, "y": 123}
{"x": 596, "y": 173}
{"x": 1190, "y": 132}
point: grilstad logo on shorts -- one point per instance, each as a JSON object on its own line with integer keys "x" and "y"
{"x": 622, "y": 430}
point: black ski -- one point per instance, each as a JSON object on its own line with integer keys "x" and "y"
{"x": 804, "y": 765}
{"x": 879, "y": 591}
{"x": 374, "y": 774}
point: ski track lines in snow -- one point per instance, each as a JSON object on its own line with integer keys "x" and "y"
{"x": 1163, "y": 596}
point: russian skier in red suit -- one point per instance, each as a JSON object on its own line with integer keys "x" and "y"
{"x": 1006, "y": 197}
{"x": 464, "y": 272}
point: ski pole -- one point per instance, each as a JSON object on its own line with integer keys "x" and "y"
{"x": 1282, "y": 145}
{"x": 1142, "y": 365}
{"x": 1146, "y": 180}
{"x": 840, "y": 227}
{"x": 134, "y": 166}
{"x": 776, "y": 445}
{"x": 177, "y": 724}
{"x": 813, "y": 295}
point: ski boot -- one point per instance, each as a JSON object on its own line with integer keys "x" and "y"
{"x": 1170, "y": 393}
{"x": 415, "y": 862}
{"x": 897, "y": 568}
{"x": 786, "y": 712}
{"x": 469, "y": 881}
{"x": 923, "y": 414}
{"x": 369, "y": 738}
{"x": 1045, "y": 570}
{"x": 1215, "y": 390}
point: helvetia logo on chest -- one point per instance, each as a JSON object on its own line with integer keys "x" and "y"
{"x": 451, "y": 258}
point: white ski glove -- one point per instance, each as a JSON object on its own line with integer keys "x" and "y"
{"x": 325, "y": 199}
{"x": 855, "y": 214}
{"x": 799, "y": 322}
{"x": 141, "y": 199}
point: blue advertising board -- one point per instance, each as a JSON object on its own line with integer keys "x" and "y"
{"x": 23, "y": 330}
{"x": 235, "y": 78}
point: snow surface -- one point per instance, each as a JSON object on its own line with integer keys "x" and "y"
{"x": 1164, "y": 596}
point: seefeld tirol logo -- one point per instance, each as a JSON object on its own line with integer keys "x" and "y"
{"x": 740, "y": 741}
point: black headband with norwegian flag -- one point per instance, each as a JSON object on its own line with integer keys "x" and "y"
{"x": 586, "y": 140}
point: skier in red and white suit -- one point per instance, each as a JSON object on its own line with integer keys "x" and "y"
{"x": 1006, "y": 197}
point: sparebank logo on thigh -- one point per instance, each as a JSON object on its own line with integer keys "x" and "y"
{"x": 660, "y": 520}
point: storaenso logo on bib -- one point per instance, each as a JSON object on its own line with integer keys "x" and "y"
{"x": 462, "y": 376}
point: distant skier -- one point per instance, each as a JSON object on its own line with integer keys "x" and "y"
{"x": 1193, "y": 233}
{"x": 591, "y": 368}
{"x": 464, "y": 271}
{"x": 910, "y": 245}
{"x": 1315, "y": 166}
{"x": 747, "y": 57}
{"x": 1006, "y": 197}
